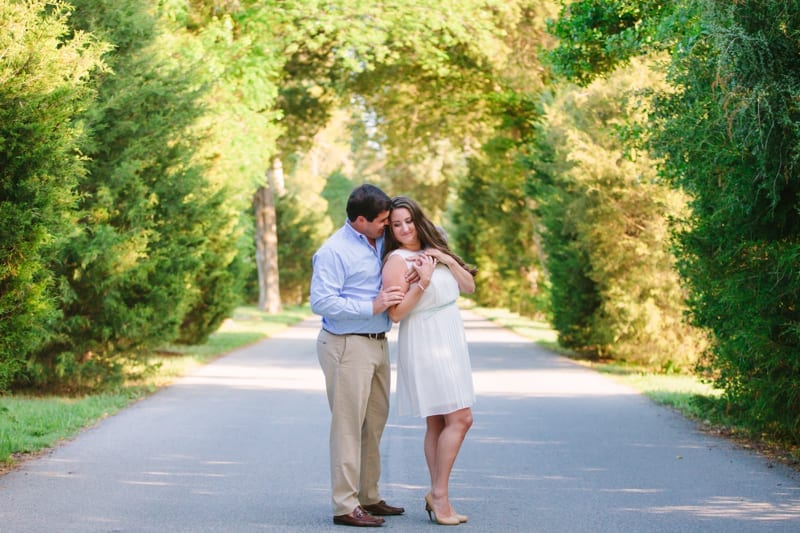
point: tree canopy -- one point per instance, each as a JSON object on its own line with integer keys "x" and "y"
{"x": 625, "y": 169}
{"x": 726, "y": 133}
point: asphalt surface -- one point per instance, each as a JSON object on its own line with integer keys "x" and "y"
{"x": 241, "y": 445}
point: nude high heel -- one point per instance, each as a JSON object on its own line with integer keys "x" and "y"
{"x": 461, "y": 518}
{"x": 443, "y": 520}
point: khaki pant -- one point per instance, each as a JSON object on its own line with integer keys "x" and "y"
{"x": 357, "y": 378}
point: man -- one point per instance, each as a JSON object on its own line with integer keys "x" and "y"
{"x": 354, "y": 354}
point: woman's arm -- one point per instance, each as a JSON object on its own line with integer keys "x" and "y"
{"x": 466, "y": 283}
{"x": 394, "y": 273}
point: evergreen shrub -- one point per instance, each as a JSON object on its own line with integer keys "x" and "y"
{"x": 44, "y": 71}
{"x": 730, "y": 136}
{"x": 615, "y": 290}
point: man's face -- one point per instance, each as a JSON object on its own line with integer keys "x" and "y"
{"x": 374, "y": 229}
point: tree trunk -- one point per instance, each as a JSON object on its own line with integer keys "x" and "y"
{"x": 269, "y": 295}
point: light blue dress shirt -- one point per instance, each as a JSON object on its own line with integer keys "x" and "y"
{"x": 346, "y": 279}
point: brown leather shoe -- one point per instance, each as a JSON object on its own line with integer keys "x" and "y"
{"x": 383, "y": 509}
{"x": 358, "y": 518}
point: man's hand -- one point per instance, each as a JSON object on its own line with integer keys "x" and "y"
{"x": 412, "y": 276}
{"x": 388, "y": 297}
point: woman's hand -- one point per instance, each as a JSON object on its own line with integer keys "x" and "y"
{"x": 466, "y": 282}
{"x": 439, "y": 256}
{"x": 423, "y": 265}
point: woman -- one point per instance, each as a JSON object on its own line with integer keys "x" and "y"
{"x": 434, "y": 377}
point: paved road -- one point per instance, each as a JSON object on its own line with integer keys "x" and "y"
{"x": 241, "y": 446}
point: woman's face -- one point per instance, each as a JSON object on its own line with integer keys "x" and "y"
{"x": 403, "y": 228}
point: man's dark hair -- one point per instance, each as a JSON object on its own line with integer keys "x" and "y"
{"x": 367, "y": 201}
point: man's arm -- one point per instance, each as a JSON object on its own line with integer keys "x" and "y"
{"x": 327, "y": 281}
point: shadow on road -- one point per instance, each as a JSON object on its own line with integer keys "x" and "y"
{"x": 242, "y": 445}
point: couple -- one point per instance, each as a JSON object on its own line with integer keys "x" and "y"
{"x": 364, "y": 277}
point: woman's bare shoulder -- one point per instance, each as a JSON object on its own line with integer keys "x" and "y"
{"x": 395, "y": 260}
{"x": 394, "y": 271}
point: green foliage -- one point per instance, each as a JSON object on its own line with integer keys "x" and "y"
{"x": 428, "y": 93}
{"x": 298, "y": 239}
{"x": 218, "y": 283}
{"x": 494, "y": 227}
{"x": 730, "y": 136}
{"x": 597, "y": 36}
{"x": 147, "y": 243}
{"x": 437, "y": 61}
{"x": 493, "y": 224}
{"x": 297, "y": 242}
{"x": 29, "y": 424}
{"x": 337, "y": 189}
{"x": 614, "y": 288}
{"x": 44, "y": 70}
{"x": 574, "y": 296}
{"x": 236, "y": 49}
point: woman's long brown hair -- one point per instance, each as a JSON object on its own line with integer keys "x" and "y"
{"x": 428, "y": 234}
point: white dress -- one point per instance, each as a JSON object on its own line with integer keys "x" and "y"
{"x": 434, "y": 376}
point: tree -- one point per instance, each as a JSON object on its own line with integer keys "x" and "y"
{"x": 492, "y": 216}
{"x": 266, "y": 217}
{"x": 283, "y": 68}
{"x": 428, "y": 102}
{"x": 727, "y": 134}
{"x": 615, "y": 290}
{"x": 130, "y": 271}
{"x": 297, "y": 242}
{"x": 44, "y": 86}
{"x": 598, "y": 36}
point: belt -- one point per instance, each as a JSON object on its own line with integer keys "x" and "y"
{"x": 374, "y": 336}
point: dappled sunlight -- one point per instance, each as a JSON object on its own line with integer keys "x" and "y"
{"x": 633, "y": 491}
{"x": 182, "y": 474}
{"x": 505, "y": 440}
{"x": 492, "y": 335}
{"x": 193, "y": 478}
{"x": 55, "y": 474}
{"x": 148, "y": 483}
{"x": 303, "y": 330}
{"x": 258, "y": 378}
{"x": 58, "y": 463}
{"x": 552, "y": 440}
{"x": 404, "y": 486}
{"x": 734, "y": 507}
{"x": 175, "y": 479}
{"x": 565, "y": 382}
{"x": 480, "y": 330}
{"x": 492, "y": 376}
{"x": 677, "y": 446}
{"x": 545, "y": 383}
{"x": 415, "y": 427}
{"x": 530, "y": 477}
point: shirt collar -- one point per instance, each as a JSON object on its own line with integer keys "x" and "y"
{"x": 363, "y": 238}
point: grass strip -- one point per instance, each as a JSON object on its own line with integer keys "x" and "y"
{"x": 30, "y": 424}
{"x": 675, "y": 390}
{"x": 686, "y": 393}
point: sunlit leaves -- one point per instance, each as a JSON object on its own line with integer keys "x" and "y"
{"x": 44, "y": 86}
{"x": 606, "y": 217}
{"x": 596, "y": 36}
